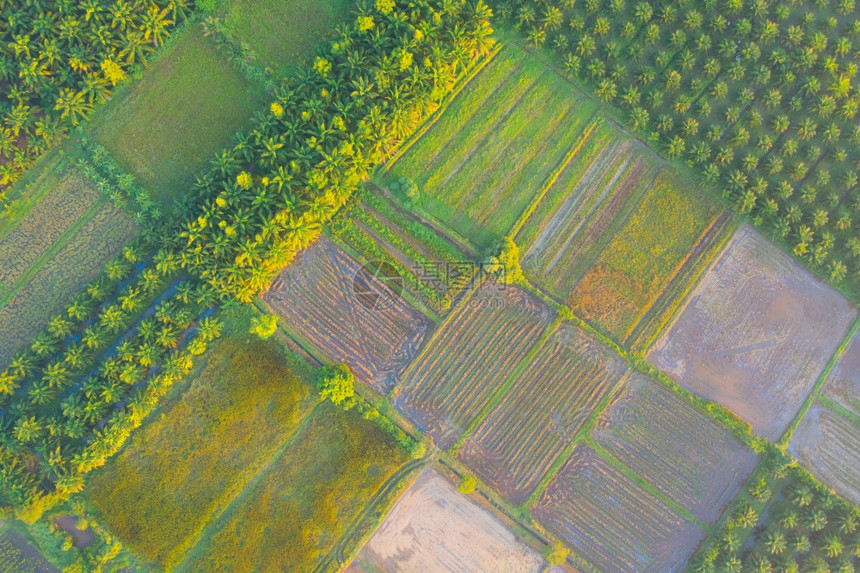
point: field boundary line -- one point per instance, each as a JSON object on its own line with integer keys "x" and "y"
{"x": 783, "y": 442}
{"x": 399, "y": 477}
{"x": 554, "y": 175}
{"x": 717, "y": 223}
{"x": 583, "y": 432}
{"x": 645, "y": 484}
{"x": 57, "y": 245}
{"x": 461, "y": 84}
{"x": 837, "y": 408}
{"x": 665, "y": 315}
{"x": 509, "y": 381}
{"x": 192, "y": 543}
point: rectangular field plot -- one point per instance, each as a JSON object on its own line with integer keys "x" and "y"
{"x": 348, "y": 313}
{"x": 681, "y": 451}
{"x": 592, "y": 197}
{"x": 34, "y": 234}
{"x": 469, "y": 358}
{"x": 755, "y": 334}
{"x": 433, "y": 527}
{"x": 843, "y": 383}
{"x": 65, "y": 273}
{"x": 304, "y": 500}
{"x": 514, "y": 129}
{"x": 518, "y": 441}
{"x": 828, "y": 445}
{"x": 637, "y": 264}
{"x": 611, "y": 521}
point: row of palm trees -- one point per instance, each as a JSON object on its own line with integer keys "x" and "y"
{"x": 760, "y": 97}
{"x": 58, "y": 59}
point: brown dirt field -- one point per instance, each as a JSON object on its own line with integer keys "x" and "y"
{"x": 469, "y": 357}
{"x": 435, "y": 528}
{"x": 611, "y": 521}
{"x": 318, "y": 296}
{"x": 755, "y": 335}
{"x": 828, "y": 445}
{"x": 679, "y": 450}
{"x": 843, "y": 383}
{"x": 545, "y": 408}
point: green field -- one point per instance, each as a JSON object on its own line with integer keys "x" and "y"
{"x": 167, "y": 126}
{"x": 206, "y": 443}
{"x": 296, "y": 511}
{"x": 284, "y": 33}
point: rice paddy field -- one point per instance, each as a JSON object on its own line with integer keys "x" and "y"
{"x": 611, "y": 521}
{"x": 52, "y": 251}
{"x": 501, "y": 141}
{"x": 755, "y": 334}
{"x": 549, "y": 402}
{"x": 349, "y": 313}
{"x": 679, "y": 450}
{"x": 469, "y": 358}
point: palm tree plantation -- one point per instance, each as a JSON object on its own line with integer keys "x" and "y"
{"x": 429, "y": 285}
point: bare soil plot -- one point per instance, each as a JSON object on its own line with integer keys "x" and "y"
{"x": 755, "y": 334}
{"x": 611, "y": 521}
{"x": 589, "y": 201}
{"x": 433, "y": 527}
{"x": 828, "y": 445}
{"x": 43, "y": 224}
{"x": 679, "y": 450}
{"x": 469, "y": 358}
{"x": 65, "y": 273}
{"x": 646, "y": 254}
{"x": 349, "y": 314}
{"x": 843, "y": 383}
{"x": 547, "y": 405}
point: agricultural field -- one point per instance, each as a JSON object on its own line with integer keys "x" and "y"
{"x": 469, "y": 358}
{"x": 500, "y": 142}
{"x": 18, "y": 556}
{"x": 62, "y": 270}
{"x": 828, "y": 445}
{"x": 433, "y": 527}
{"x": 755, "y": 334}
{"x": 207, "y": 442}
{"x": 843, "y": 383}
{"x": 548, "y": 403}
{"x": 611, "y": 521}
{"x": 676, "y": 448}
{"x": 304, "y": 499}
{"x": 164, "y": 139}
{"x": 284, "y": 34}
{"x": 349, "y": 313}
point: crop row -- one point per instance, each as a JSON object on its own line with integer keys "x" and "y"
{"x": 469, "y": 357}
{"x": 549, "y": 402}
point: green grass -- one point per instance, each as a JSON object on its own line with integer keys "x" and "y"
{"x": 295, "y": 513}
{"x": 644, "y": 256}
{"x": 188, "y": 464}
{"x": 167, "y": 126}
{"x": 285, "y": 33}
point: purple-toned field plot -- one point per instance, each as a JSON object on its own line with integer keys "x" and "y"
{"x": 612, "y": 522}
{"x": 37, "y": 230}
{"x": 843, "y": 383}
{"x": 64, "y": 274}
{"x": 547, "y": 405}
{"x": 349, "y": 312}
{"x": 681, "y": 451}
{"x": 828, "y": 445}
{"x": 469, "y": 358}
{"x": 755, "y": 335}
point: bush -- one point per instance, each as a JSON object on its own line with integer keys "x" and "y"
{"x": 467, "y": 484}
{"x": 337, "y": 385}
{"x": 264, "y": 325}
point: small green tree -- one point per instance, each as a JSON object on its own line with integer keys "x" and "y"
{"x": 467, "y": 484}
{"x": 558, "y": 555}
{"x": 337, "y": 385}
{"x": 506, "y": 264}
{"x": 264, "y": 325}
